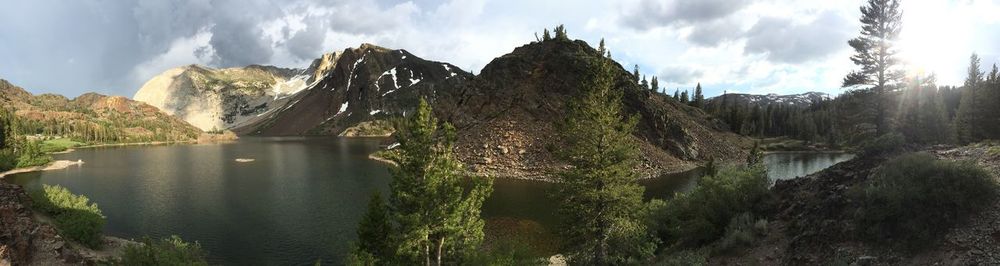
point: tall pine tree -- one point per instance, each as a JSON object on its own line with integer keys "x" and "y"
{"x": 699, "y": 98}
{"x": 969, "y": 120}
{"x": 874, "y": 52}
{"x": 600, "y": 197}
{"x": 436, "y": 218}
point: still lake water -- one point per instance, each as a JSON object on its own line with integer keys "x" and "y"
{"x": 298, "y": 202}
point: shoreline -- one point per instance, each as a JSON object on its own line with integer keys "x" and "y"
{"x": 806, "y": 151}
{"x": 520, "y": 175}
{"x": 54, "y": 165}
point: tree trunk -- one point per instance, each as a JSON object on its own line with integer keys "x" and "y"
{"x": 427, "y": 254}
{"x": 440, "y": 248}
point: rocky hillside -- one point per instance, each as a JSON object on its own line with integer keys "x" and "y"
{"x": 802, "y": 99}
{"x": 506, "y": 115}
{"x": 362, "y": 84}
{"x": 92, "y": 117}
{"x": 811, "y": 221}
{"x": 24, "y": 241}
{"x": 214, "y": 99}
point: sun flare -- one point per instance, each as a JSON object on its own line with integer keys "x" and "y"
{"x": 934, "y": 37}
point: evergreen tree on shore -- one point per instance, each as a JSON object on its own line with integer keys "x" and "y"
{"x": 434, "y": 216}
{"x": 600, "y": 199}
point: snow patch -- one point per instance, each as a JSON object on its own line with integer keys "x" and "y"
{"x": 374, "y": 112}
{"x": 413, "y": 81}
{"x": 343, "y": 107}
{"x": 350, "y": 77}
{"x": 448, "y": 68}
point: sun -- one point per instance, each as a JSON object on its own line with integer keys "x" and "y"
{"x": 936, "y": 35}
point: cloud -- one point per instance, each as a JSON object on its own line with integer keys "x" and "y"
{"x": 305, "y": 43}
{"x": 680, "y": 75}
{"x": 784, "y": 40}
{"x": 649, "y": 14}
{"x": 716, "y": 32}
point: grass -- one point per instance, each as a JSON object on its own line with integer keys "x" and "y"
{"x": 61, "y": 144}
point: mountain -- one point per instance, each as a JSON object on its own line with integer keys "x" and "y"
{"x": 362, "y": 84}
{"x": 214, "y": 99}
{"x": 92, "y": 117}
{"x": 506, "y": 115}
{"x": 802, "y": 99}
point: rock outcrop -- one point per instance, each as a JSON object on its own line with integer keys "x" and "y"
{"x": 24, "y": 241}
{"x": 216, "y": 99}
{"x": 507, "y": 114}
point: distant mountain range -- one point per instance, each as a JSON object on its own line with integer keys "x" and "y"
{"x": 802, "y": 99}
{"x": 505, "y": 115}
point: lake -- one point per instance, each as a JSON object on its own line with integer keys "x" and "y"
{"x": 299, "y": 201}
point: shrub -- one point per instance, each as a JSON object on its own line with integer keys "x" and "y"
{"x": 916, "y": 197}
{"x": 7, "y": 160}
{"x": 884, "y": 144}
{"x": 702, "y": 215}
{"x": 75, "y": 217}
{"x": 741, "y": 232}
{"x": 168, "y": 251}
{"x": 32, "y": 155}
{"x": 683, "y": 258}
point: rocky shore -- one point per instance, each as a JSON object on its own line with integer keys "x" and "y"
{"x": 55, "y": 165}
{"x": 25, "y": 240}
{"x": 810, "y": 221}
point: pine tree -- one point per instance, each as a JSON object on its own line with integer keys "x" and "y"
{"x": 374, "y": 246}
{"x": 546, "y": 36}
{"x": 437, "y": 218}
{"x": 601, "y": 48}
{"x": 969, "y": 118}
{"x": 654, "y": 85}
{"x": 677, "y": 96}
{"x": 644, "y": 84}
{"x": 600, "y": 199}
{"x": 561, "y": 33}
{"x": 874, "y": 52}
{"x": 699, "y": 99}
{"x": 684, "y": 97}
{"x": 635, "y": 74}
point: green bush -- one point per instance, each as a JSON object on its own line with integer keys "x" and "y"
{"x": 8, "y": 160}
{"x": 168, "y": 251}
{"x": 884, "y": 144}
{"x": 702, "y": 215}
{"x": 916, "y": 197}
{"x": 32, "y": 155}
{"x": 741, "y": 232}
{"x": 75, "y": 217}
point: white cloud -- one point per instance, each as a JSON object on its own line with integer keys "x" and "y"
{"x": 745, "y": 45}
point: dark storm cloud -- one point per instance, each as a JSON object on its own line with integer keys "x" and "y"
{"x": 648, "y": 14}
{"x": 713, "y": 33}
{"x": 305, "y": 43}
{"x": 97, "y": 45}
{"x": 785, "y": 41}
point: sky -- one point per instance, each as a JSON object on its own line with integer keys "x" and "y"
{"x": 748, "y": 46}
